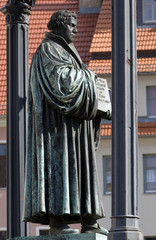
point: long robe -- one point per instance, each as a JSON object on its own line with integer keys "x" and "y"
{"x": 62, "y": 134}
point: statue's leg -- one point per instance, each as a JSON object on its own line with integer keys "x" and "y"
{"x": 58, "y": 226}
{"x": 90, "y": 225}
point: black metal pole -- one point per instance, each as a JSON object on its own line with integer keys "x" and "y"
{"x": 17, "y": 20}
{"x": 124, "y": 123}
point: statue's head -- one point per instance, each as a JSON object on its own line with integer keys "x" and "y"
{"x": 64, "y": 23}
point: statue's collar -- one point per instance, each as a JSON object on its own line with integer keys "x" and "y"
{"x": 55, "y": 37}
{"x": 69, "y": 47}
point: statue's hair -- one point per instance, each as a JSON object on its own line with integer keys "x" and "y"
{"x": 60, "y": 17}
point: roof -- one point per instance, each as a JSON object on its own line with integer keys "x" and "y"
{"x": 93, "y": 42}
{"x": 99, "y": 66}
{"x": 101, "y": 43}
{"x": 144, "y": 64}
{"x": 147, "y": 128}
{"x": 144, "y": 129}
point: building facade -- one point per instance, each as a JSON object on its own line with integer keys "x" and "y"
{"x": 93, "y": 42}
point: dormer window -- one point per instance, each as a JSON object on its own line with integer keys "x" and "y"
{"x": 149, "y": 11}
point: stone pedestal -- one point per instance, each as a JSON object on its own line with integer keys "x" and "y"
{"x": 83, "y": 236}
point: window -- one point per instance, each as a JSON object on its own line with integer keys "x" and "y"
{"x": 149, "y": 11}
{"x": 149, "y": 173}
{"x": 151, "y": 101}
{"x": 107, "y": 174}
{"x": 41, "y": 231}
{"x": 44, "y": 232}
{"x": 2, "y": 235}
{"x": 2, "y": 165}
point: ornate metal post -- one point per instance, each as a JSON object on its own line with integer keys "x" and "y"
{"x": 124, "y": 129}
{"x": 17, "y": 12}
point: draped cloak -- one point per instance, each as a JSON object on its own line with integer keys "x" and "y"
{"x": 62, "y": 134}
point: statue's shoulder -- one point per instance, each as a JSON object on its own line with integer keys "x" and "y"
{"x": 49, "y": 49}
{"x": 46, "y": 45}
{"x": 52, "y": 43}
{"x": 46, "y": 42}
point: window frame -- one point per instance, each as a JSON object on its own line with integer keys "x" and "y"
{"x": 3, "y": 142}
{"x": 147, "y": 101}
{"x": 41, "y": 228}
{"x": 105, "y": 192}
{"x": 146, "y": 191}
{"x": 153, "y": 21}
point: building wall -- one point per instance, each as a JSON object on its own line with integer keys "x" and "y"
{"x": 104, "y": 149}
{"x": 3, "y": 193}
{"x": 143, "y": 82}
{"x": 2, "y": 129}
{"x": 3, "y": 208}
{"x": 2, "y": 133}
{"x": 147, "y": 212}
{"x": 147, "y": 209}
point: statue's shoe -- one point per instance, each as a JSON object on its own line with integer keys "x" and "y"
{"x": 94, "y": 229}
{"x": 63, "y": 229}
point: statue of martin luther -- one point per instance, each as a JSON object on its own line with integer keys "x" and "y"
{"x": 61, "y": 185}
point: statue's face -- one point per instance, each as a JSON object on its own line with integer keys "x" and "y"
{"x": 68, "y": 30}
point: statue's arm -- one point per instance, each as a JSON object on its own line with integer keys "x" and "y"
{"x": 71, "y": 90}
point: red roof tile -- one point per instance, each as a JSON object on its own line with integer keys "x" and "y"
{"x": 144, "y": 129}
{"x": 106, "y": 130}
{"x": 101, "y": 41}
{"x": 103, "y": 66}
{"x": 147, "y": 128}
{"x": 146, "y": 64}
{"x": 52, "y": 5}
{"x": 102, "y": 37}
{"x": 86, "y": 27}
{"x": 144, "y": 36}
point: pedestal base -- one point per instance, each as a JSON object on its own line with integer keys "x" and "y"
{"x": 124, "y": 235}
{"x": 125, "y": 227}
{"x": 82, "y": 236}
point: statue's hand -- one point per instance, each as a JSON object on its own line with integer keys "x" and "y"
{"x": 106, "y": 115}
{"x": 109, "y": 115}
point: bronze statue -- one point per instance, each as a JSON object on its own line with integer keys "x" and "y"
{"x": 61, "y": 184}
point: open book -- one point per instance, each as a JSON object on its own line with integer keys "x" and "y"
{"x": 104, "y": 102}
